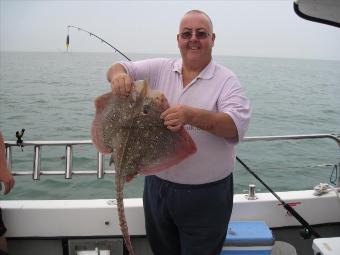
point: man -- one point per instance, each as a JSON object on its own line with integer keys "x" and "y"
{"x": 8, "y": 182}
{"x": 188, "y": 207}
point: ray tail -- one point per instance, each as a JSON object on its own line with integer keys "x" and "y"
{"x": 119, "y": 182}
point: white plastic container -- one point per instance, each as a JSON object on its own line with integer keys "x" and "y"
{"x": 326, "y": 246}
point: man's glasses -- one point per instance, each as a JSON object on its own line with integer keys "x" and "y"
{"x": 199, "y": 35}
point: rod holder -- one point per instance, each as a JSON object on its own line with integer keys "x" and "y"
{"x": 100, "y": 170}
{"x": 69, "y": 162}
{"x": 251, "y": 192}
{"x": 37, "y": 162}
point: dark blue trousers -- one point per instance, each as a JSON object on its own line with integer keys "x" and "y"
{"x": 183, "y": 219}
{"x": 2, "y": 226}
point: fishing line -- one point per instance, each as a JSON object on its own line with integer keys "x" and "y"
{"x": 92, "y": 34}
{"x": 308, "y": 230}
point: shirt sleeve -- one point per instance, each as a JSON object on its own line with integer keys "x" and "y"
{"x": 233, "y": 102}
{"x": 148, "y": 69}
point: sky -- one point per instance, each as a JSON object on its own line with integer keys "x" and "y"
{"x": 243, "y": 28}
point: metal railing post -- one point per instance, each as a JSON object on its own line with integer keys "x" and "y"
{"x": 69, "y": 161}
{"x": 9, "y": 157}
{"x": 100, "y": 170}
{"x": 37, "y": 162}
{"x": 338, "y": 180}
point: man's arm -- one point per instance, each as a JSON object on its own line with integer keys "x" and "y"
{"x": 5, "y": 175}
{"x": 218, "y": 123}
{"x": 121, "y": 82}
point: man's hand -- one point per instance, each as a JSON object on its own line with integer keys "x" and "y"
{"x": 5, "y": 175}
{"x": 7, "y": 178}
{"x": 121, "y": 85}
{"x": 176, "y": 117}
{"x": 121, "y": 82}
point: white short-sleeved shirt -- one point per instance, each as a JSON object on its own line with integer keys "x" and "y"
{"x": 215, "y": 89}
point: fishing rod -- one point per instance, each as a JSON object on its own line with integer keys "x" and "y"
{"x": 91, "y": 34}
{"x": 308, "y": 230}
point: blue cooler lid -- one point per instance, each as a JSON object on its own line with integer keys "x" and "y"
{"x": 249, "y": 233}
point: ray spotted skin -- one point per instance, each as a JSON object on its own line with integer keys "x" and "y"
{"x": 131, "y": 130}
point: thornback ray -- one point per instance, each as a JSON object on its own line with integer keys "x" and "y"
{"x": 131, "y": 130}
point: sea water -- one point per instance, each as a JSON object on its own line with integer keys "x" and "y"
{"x": 52, "y": 95}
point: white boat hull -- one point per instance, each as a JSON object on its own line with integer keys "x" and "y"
{"x": 98, "y": 217}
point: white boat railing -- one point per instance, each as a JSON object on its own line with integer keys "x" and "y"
{"x": 100, "y": 172}
{"x": 68, "y": 172}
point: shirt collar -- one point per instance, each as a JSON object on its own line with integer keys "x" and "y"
{"x": 207, "y": 73}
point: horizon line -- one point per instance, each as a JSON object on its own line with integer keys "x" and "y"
{"x": 168, "y": 54}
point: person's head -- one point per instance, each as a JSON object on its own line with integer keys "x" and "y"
{"x": 196, "y": 38}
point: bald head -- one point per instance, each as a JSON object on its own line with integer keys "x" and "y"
{"x": 199, "y": 12}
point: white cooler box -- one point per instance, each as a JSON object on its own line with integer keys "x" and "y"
{"x": 326, "y": 246}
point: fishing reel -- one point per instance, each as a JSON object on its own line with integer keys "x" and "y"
{"x": 305, "y": 233}
{"x": 19, "y": 136}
